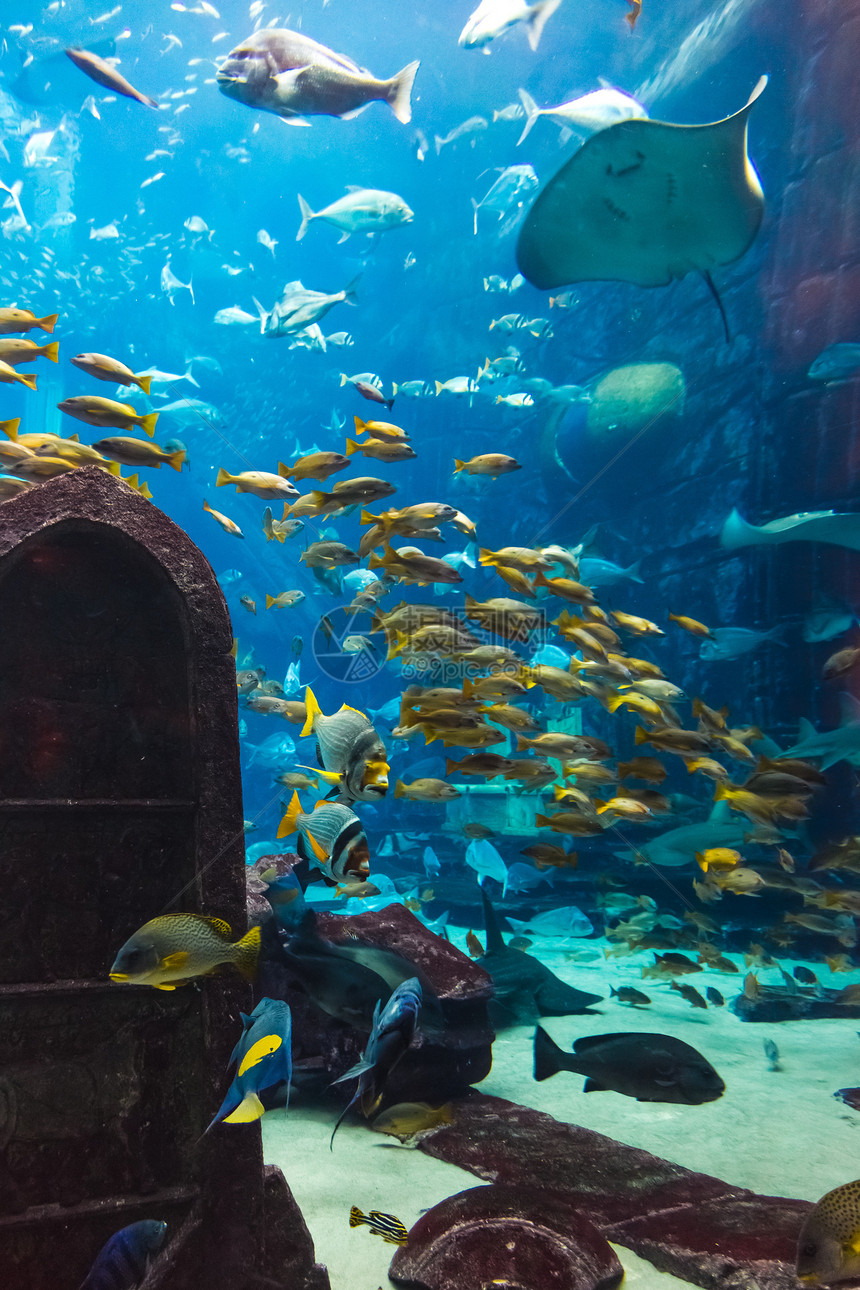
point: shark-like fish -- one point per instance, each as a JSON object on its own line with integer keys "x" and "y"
{"x": 679, "y": 846}
{"x": 831, "y": 746}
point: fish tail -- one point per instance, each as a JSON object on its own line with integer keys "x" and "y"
{"x": 640, "y": 736}
{"x": 546, "y": 1055}
{"x": 52, "y": 351}
{"x": 148, "y": 423}
{"x": 360, "y": 427}
{"x": 399, "y": 789}
{"x": 351, "y": 447}
{"x": 307, "y": 216}
{"x": 349, "y": 290}
{"x": 10, "y": 428}
{"x": 532, "y": 113}
{"x": 28, "y": 379}
{"x": 356, "y": 1218}
{"x": 223, "y": 478}
{"x": 143, "y": 383}
{"x": 247, "y": 954}
{"x": 48, "y": 323}
{"x": 176, "y": 459}
{"x": 288, "y": 823}
{"x": 399, "y": 92}
{"x": 270, "y": 600}
{"x": 542, "y": 821}
{"x": 284, "y": 471}
{"x": 313, "y": 710}
{"x": 318, "y": 498}
{"x": 541, "y": 12}
{"x": 701, "y": 862}
{"x": 248, "y": 1110}
{"x": 458, "y": 464}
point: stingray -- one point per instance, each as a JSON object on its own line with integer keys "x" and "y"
{"x": 524, "y": 987}
{"x": 646, "y": 202}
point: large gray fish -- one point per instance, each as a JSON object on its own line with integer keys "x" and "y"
{"x": 284, "y": 72}
{"x": 651, "y": 1068}
{"x": 331, "y": 837}
{"x": 351, "y": 752}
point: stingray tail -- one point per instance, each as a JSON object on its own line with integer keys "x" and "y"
{"x": 713, "y": 290}
{"x": 495, "y": 943}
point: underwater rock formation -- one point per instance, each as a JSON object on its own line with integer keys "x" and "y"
{"x": 697, "y": 1227}
{"x": 508, "y": 1236}
{"x": 441, "y": 1063}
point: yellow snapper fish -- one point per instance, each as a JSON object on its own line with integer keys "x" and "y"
{"x": 352, "y": 754}
{"x": 170, "y": 950}
{"x": 407, "y": 1120}
{"x": 107, "y": 413}
{"x": 828, "y": 1248}
{"x": 262, "y": 483}
{"x": 330, "y": 837}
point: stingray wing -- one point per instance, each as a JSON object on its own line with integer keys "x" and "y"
{"x": 646, "y": 202}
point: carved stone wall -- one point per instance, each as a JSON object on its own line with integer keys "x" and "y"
{"x": 120, "y": 799}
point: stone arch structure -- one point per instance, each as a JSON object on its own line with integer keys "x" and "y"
{"x": 120, "y": 799}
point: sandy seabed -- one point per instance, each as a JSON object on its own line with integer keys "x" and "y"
{"x": 782, "y": 1133}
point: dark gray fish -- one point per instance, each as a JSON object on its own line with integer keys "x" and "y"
{"x": 344, "y": 989}
{"x": 771, "y": 1052}
{"x": 287, "y": 73}
{"x": 525, "y": 988}
{"x": 629, "y": 994}
{"x": 649, "y": 1067}
{"x": 714, "y": 997}
{"x": 690, "y": 993}
{"x": 804, "y": 975}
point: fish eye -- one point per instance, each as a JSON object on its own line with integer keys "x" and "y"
{"x": 809, "y": 1248}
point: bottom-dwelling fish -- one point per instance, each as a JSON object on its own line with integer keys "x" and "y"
{"x": 123, "y": 1261}
{"x": 393, "y": 1028}
{"x": 263, "y": 1060}
{"x": 649, "y": 1067}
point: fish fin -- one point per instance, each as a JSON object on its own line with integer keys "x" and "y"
{"x": 307, "y": 216}
{"x": 143, "y": 383}
{"x": 495, "y": 943}
{"x": 349, "y": 290}
{"x": 351, "y": 447}
{"x": 47, "y": 323}
{"x": 148, "y": 423}
{"x": 532, "y": 112}
{"x": 458, "y": 465}
{"x": 10, "y": 428}
{"x": 399, "y": 788}
{"x": 592, "y": 1086}
{"x": 28, "y": 379}
{"x": 177, "y": 960}
{"x": 270, "y": 600}
{"x": 248, "y": 1110}
{"x": 540, "y": 13}
{"x": 176, "y": 459}
{"x": 546, "y": 1055}
{"x": 288, "y": 822}
{"x": 356, "y": 1218}
{"x": 313, "y": 711}
{"x": 247, "y": 952}
{"x": 284, "y": 472}
{"x": 52, "y": 351}
{"x": 399, "y": 94}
